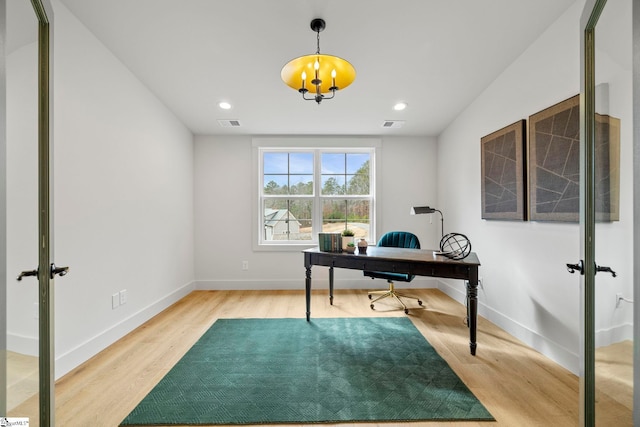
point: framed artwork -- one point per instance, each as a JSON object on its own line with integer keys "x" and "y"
{"x": 554, "y": 164}
{"x": 607, "y": 168}
{"x": 503, "y": 176}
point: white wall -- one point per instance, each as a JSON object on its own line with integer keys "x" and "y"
{"x": 22, "y": 198}
{"x": 614, "y": 247}
{"x": 123, "y": 201}
{"x": 224, "y": 184}
{"x": 526, "y": 287}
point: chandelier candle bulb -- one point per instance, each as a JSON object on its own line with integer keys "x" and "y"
{"x": 304, "y": 77}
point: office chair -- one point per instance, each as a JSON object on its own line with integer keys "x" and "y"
{"x": 396, "y": 239}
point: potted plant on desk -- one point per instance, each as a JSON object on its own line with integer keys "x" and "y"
{"x": 350, "y": 248}
{"x": 347, "y": 237}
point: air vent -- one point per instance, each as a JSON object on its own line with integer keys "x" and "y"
{"x": 229, "y": 123}
{"x": 393, "y": 124}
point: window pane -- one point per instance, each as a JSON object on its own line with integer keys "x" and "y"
{"x": 345, "y": 173}
{"x": 358, "y": 185}
{"x": 288, "y": 173}
{"x": 334, "y": 215}
{"x": 301, "y": 210}
{"x": 358, "y": 218}
{"x": 340, "y": 214}
{"x": 301, "y": 184}
{"x": 358, "y": 178}
{"x": 333, "y": 163}
{"x": 357, "y": 163}
{"x": 275, "y": 184}
{"x": 286, "y": 219}
{"x": 301, "y": 163}
{"x": 333, "y": 184}
{"x": 275, "y": 163}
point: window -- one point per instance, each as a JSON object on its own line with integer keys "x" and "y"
{"x": 306, "y": 191}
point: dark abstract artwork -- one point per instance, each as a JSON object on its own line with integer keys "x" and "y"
{"x": 554, "y": 164}
{"x": 502, "y": 152}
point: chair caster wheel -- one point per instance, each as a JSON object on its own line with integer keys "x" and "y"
{"x": 371, "y": 306}
{"x": 406, "y": 311}
{"x": 369, "y": 296}
{"x": 419, "y": 302}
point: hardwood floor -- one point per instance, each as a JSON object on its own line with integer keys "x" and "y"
{"x": 519, "y": 386}
{"x": 22, "y": 378}
{"x": 614, "y": 376}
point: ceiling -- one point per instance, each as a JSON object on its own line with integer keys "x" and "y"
{"x": 435, "y": 55}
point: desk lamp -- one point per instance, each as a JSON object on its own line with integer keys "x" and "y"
{"x": 417, "y": 210}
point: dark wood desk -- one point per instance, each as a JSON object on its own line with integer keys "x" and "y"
{"x": 420, "y": 262}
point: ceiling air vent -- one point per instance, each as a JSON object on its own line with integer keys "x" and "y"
{"x": 229, "y": 123}
{"x": 393, "y": 124}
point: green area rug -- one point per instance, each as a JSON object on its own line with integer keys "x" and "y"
{"x": 259, "y": 371}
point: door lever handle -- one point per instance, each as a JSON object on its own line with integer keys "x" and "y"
{"x": 60, "y": 271}
{"x": 572, "y": 268}
{"x": 27, "y": 274}
{"x": 606, "y": 270}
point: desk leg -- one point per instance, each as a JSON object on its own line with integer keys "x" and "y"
{"x": 472, "y": 310}
{"x": 331, "y": 285}
{"x": 307, "y": 286}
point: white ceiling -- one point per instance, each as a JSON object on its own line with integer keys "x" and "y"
{"x": 436, "y": 55}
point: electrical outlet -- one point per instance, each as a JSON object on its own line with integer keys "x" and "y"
{"x": 115, "y": 301}
{"x": 123, "y": 297}
{"x": 245, "y": 265}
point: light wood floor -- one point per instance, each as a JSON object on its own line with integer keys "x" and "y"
{"x": 516, "y": 384}
{"x": 614, "y": 372}
{"x": 22, "y": 378}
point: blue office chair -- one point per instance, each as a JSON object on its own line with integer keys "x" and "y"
{"x": 396, "y": 239}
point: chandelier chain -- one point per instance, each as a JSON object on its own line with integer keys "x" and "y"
{"x": 318, "y": 40}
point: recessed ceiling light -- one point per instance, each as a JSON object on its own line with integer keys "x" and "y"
{"x": 224, "y": 105}
{"x": 400, "y": 106}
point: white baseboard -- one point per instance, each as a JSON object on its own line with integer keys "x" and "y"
{"x": 22, "y": 344}
{"x": 83, "y": 352}
{"x": 554, "y": 351}
{"x": 614, "y": 334}
{"x": 298, "y": 284}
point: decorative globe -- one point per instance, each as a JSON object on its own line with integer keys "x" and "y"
{"x": 455, "y": 246}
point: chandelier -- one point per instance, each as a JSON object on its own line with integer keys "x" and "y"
{"x": 312, "y": 73}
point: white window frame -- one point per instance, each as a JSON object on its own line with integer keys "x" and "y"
{"x": 318, "y": 146}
